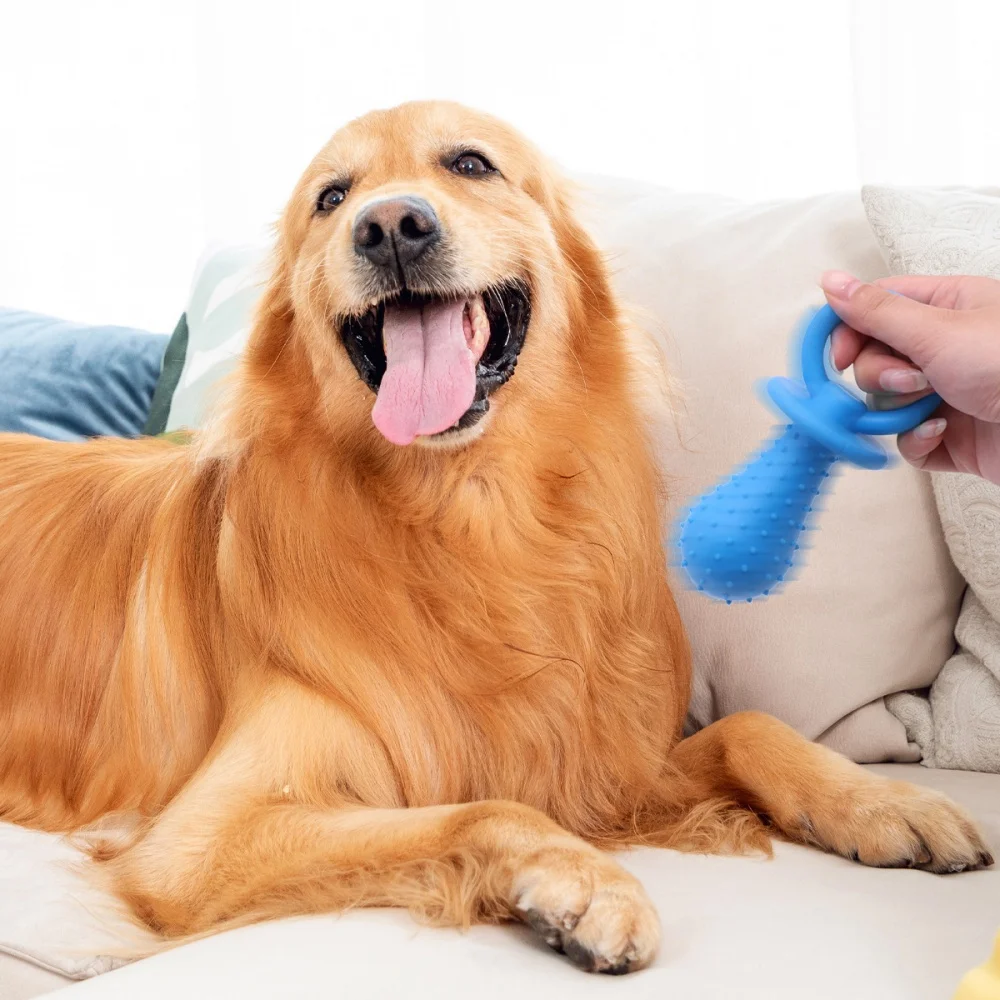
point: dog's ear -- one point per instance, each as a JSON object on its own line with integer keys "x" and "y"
{"x": 274, "y": 313}
{"x": 585, "y": 261}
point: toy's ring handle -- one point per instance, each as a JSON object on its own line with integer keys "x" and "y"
{"x": 818, "y": 331}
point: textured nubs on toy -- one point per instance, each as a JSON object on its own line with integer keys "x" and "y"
{"x": 740, "y": 540}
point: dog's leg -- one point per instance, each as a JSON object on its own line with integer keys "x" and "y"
{"x": 237, "y": 846}
{"x": 815, "y": 796}
{"x": 484, "y": 861}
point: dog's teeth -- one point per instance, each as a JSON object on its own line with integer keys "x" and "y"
{"x": 480, "y": 326}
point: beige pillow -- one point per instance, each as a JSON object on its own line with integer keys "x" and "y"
{"x": 956, "y": 723}
{"x": 873, "y": 609}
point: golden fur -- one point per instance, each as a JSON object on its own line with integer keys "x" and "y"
{"x": 328, "y": 671}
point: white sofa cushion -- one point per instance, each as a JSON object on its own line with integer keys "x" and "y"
{"x": 52, "y": 916}
{"x": 21, "y": 980}
{"x": 805, "y": 926}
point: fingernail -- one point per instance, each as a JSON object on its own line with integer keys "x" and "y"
{"x": 903, "y": 380}
{"x": 931, "y": 428}
{"x": 839, "y": 284}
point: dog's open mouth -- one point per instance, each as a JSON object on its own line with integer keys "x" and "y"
{"x": 432, "y": 360}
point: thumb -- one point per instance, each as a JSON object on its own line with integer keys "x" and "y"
{"x": 911, "y": 328}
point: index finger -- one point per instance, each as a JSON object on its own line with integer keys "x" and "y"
{"x": 907, "y": 325}
{"x": 845, "y": 345}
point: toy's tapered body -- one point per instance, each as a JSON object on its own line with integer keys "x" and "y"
{"x": 739, "y": 540}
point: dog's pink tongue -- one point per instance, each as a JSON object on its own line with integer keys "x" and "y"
{"x": 430, "y": 374}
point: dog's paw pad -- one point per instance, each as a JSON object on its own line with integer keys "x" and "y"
{"x": 601, "y": 920}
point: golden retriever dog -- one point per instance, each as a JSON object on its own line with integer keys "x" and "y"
{"x": 394, "y": 629}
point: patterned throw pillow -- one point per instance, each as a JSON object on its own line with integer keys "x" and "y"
{"x": 69, "y": 381}
{"x": 210, "y": 336}
{"x": 957, "y": 722}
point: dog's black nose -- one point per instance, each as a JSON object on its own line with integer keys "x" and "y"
{"x": 396, "y": 231}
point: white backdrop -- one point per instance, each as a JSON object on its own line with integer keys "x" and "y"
{"x": 134, "y": 131}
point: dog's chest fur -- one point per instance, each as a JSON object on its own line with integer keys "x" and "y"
{"x": 506, "y": 657}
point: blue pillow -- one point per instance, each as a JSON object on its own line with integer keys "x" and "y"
{"x": 69, "y": 381}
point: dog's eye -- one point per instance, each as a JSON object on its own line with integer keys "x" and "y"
{"x": 472, "y": 165}
{"x": 330, "y": 197}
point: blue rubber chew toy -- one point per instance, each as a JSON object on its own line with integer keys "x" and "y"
{"x": 740, "y": 540}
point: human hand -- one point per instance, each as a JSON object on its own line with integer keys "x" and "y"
{"x": 938, "y": 334}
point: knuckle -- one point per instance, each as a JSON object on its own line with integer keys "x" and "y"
{"x": 874, "y": 306}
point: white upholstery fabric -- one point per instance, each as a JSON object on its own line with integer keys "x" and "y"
{"x": 20, "y": 980}
{"x": 805, "y": 926}
{"x": 51, "y": 916}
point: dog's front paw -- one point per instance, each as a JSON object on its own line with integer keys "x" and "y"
{"x": 893, "y": 824}
{"x": 590, "y": 908}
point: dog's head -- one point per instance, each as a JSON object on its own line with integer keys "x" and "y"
{"x": 430, "y": 255}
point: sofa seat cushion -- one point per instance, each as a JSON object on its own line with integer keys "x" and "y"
{"x": 804, "y": 925}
